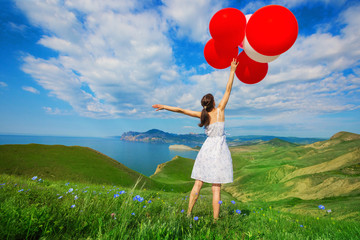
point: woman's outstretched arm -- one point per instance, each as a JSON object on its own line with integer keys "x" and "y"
{"x": 178, "y": 110}
{"x": 226, "y": 96}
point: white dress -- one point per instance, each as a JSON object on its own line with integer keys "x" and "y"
{"x": 213, "y": 163}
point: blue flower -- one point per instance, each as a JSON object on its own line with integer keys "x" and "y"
{"x": 321, "y": 206}
{"x": 70, "y": 190}
{"x": 34, "y": 178}
{"x": 196, "y": 218}
{"x": 66, "y": 184}
{"x": 21, "y": 190}
{"x": 144, "y": 206}
{"x": 301, "y": 226}
{"x": 2, "y": 184}
{"x": 122, "y": 192}
{"x": 149, "y": 201}
{"x": 220, "y": 202}
{"x": 60, "y": 197}
{"x": 233, "y": 202}
{"x": 182, "y": 210}
{"x": 329, "y": 211}
{"x": 133, "y": 214}
{"x": 116, "y": 195}
{"x": 140, "y": 199}
{"x": 76, "y": 197}
{"x": 72, "y": 206}
{"x": 238, "y": 211}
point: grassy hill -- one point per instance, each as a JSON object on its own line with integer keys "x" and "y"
{"x": 326, "y": 171}
{"x": 277, "y": 189}
{"x": 57, "y": 162}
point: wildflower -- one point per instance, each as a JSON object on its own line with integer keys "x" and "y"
{"x": 196, "y": 218}
{"x": 60, "y": 197}
{"x": 238, "y": 211}
{"x": 21, "y": 190}
{"x": 72, "y": 206}
{"x": 233, "y": 202}
{"x": 220, "y": 202}
{"x": 2, "y": 184}
{"x": 116, "y": 195}
{"x": 122, "y": 192}
{"x": 301, "y": 226}
{"x": 144, "y": 206}
{"x": 149, "y": 201}
{"x": 321, "y": 206}
{"x": 34, "y": 178}
{"x": 66, "y": 184}
{"x": 182, "y": 210}
{"x": 70, "y": 190}
{"x": 190, "y": 225}
{"x": 76, "y": 197}
{"x": 133, "y": 214}
{"x": 329, "y": 211}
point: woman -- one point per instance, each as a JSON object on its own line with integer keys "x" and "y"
{"x": 213, "y": 163}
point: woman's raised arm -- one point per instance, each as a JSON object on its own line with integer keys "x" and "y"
{"x": 226, "y": 96}
{"x": 178, "y": 110}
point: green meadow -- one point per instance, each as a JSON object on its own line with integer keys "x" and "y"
{"x": 280, "y": 191}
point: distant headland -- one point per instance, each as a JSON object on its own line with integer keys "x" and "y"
{"x": 193, "y": 139}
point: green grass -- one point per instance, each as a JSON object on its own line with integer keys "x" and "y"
{"x": 259, "y": 169}
{"x": 31, "y": 209}
{"x": 38, "y": 213}
{"x": 80, "y": 164}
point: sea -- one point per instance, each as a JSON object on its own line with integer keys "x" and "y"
{"x": 139, "y": 156}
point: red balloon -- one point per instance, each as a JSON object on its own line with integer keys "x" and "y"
{"x": 224, "y": 49}
{"x": 216, "y": 60}
{"x": 249, "y": 71}
{"x": 228, "y": 26}
{"x": 272, "y": 30}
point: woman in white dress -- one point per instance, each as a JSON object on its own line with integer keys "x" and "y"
{"x": 213, "y": 163}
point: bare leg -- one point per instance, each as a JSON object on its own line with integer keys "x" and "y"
{"x": 194, "y": 195}
{"x": 216, "y": 199}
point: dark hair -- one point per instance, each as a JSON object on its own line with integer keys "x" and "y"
{"x": 207, "y": 102}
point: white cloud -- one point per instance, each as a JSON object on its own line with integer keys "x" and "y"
{"x": 30, "y": 89}
{"x": 117, "y": 62}
{"x": 191, "y": 18}
{"x": 52, "y": 111}
{"x": 3, "y": 84}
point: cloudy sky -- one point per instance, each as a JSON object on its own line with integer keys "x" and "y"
{"x": 94, "y": 68}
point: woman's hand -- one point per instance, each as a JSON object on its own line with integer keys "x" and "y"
{"x": 234, "y": 65}
{"x": 158, "y": 106}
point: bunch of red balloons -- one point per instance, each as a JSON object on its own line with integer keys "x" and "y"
{"x": 264, "y": 36}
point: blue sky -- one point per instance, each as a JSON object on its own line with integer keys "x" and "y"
{"x": 94, "y": 68}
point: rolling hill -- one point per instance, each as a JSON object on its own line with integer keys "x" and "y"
{"x": 326, "y": 171}
{"x": 57, "y": 162}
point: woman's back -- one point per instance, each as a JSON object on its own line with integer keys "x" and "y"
{"x": 216, "y": 128}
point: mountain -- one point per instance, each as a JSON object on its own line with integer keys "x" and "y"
{"x": 158, "y": 136}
